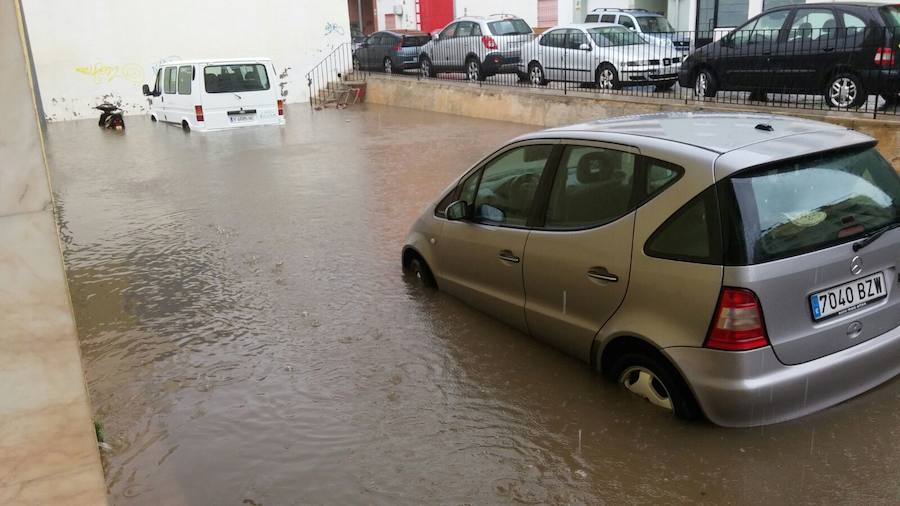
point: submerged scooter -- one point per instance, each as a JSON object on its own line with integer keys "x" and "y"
{"x": 111, "y": 116}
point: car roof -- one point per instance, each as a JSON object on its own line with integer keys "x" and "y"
{"x": 492, "y": 17}
{"x": 584, "y": 26}
{"x": 212, "y": 61}
{"x": 716, "y": 132}
{"x": 635, "y": 13}
{"x": 414, "y": 33}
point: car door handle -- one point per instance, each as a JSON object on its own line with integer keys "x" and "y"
{"x": 602, "y": 274}
{"x": 507, "y": 256}
{"x": 828, "y": 49}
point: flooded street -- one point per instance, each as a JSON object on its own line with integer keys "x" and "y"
{"x": 249, "y": 338}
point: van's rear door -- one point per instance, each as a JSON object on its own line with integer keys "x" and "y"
{"x": 795, "y": 224}
{"x": 239, "y": 94}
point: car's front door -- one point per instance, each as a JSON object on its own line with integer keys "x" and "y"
{"x": 551, "y": 51}
{"x": 577, "y": 262}
{"x": 480, "y": 258}
{"x": 443, "y": 47}
{"x": 170, "y": 93}
{"x": 743, "y": 61}
{"x": 365, "y": 52}
{"x": 579, "y": 62}
{"x": 156, "y": 103}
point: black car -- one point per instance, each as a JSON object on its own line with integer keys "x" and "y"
{"x": 390, "y": 51}
{"x": 844, "y": 51}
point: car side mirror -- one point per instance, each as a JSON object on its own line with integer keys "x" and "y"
{"x": 436, "y": 36}
{"x": 146, "y": 90}
{"x": 456, "y": 211}
{"x": 584, "y": 47}
{"x": 631, "y": 28}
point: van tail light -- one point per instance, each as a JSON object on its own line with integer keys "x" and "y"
{"x": 885, "y": 56}
{"x": 280, "y": 107}
{"x": 738, "y": 323}
{"x": 198, "y": 112}
{"x": 489, "y": 42}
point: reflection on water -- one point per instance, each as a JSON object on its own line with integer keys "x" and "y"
{"x": 248, "y": 338}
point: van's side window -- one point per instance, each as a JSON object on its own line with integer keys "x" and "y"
{"x": 171, "y": 80}
{"x": 185, "y": 74}
{"x": 158, "y": 85}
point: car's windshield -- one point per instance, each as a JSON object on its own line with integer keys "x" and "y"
{"x": 654, "y": 24}
{"x": 615, "y": 36}
{"x": 235, "y": 78}
{"x": 891, "y": 15}
{"x": 509, "y": 27}
{"x": 813, "y": 203}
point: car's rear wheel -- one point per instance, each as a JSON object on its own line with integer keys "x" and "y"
{"x": 473, "y": 70}
{"x": 426, "y": 67}
{"x": 657, "y": 382}
{"x": 536, "y": 74}
{"x": 388, "y": 66}
{"x": 705, "y": 84}
{"x": 185, "y": 126}
{"x": 845, "y": 90}
{"x": 419, "y": 271}
{"x": 608, "y": 78}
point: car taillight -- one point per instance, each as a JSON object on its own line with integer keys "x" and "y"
{"x": 398, "y": 45}
{"x": 885, "y": 56}
{"x": 738, "y": 322}
{"x": 280, "y": 107}
{"x": 198, "y": 111}
{"x": 489, "y": 42}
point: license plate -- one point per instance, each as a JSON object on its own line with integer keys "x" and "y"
{"x": 847, "y": 297}
{"x": 241, "y": 118}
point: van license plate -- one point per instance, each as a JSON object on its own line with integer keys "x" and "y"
{"x": 848, "y": 297}
{"x": 241, "y": 118}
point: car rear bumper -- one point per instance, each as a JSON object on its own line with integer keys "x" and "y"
{"x": 881, "y": 80}
{"x": 498, "y": 63}
{"x": 743, "y": 389}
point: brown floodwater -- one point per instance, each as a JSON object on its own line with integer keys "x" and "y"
{"x": 249, "y": 338}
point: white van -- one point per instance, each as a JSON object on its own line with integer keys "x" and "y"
{"x": 216, "y": 94}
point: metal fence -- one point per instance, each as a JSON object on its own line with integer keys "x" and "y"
{"x": 826, "y": 68}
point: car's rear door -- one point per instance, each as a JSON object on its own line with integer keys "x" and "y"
{"x": 480, "y": 259}
{"x": 577, "y": 262}
{"x": 810, "y": 51}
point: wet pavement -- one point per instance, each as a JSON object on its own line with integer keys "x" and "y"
{"x": 249, "y": 338}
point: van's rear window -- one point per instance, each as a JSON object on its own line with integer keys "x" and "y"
{"x": 415, "y": 41}
{"x": 235, "y": 78}
{"x": 809, "y": 204}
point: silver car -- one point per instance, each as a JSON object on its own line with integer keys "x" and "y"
{"x": 742, "y": 267}
{"x": 478, "y": 46}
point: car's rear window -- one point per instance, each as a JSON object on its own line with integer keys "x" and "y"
{"x": 891, "y": 15}
{"x": 509, "y": 27}
{"x": 233, "y": 78}
{"x": 415, "y": 41}
{"x": 808, "y": 204}
{"x": 615, "y": 36}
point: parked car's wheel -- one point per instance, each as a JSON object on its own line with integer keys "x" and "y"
{"x": 656, "y": 381}
{"x": 419, "y": 270}
{"x": 103, "y": 117}
{"x": 845, "y": 90}
{"x": 536, "y": 74}
{"x": 357, "y": 65}
{"x": 663, "y": 87}
{"x": 185, "y": 126}
{"x": 426, "y": 67}
{"x": 608, "y": 78}
{"x": 705, "y": 84}
{"x": 473, "y": 70}
{"x": 388, "y": 66}
{"x": 153, "y": 119}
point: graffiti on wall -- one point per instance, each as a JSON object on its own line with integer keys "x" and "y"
{"x": 102, "y": 72}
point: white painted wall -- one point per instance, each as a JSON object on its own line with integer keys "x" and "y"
{"x": 405, "y": 20}
{"x": 525, "y": 9}
{"x": 86, "y": 50}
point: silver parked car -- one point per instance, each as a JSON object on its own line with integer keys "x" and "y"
{"x": 478, "y": 46}
{"x": 611, "y": 56}
{"x": 743, "y": 267}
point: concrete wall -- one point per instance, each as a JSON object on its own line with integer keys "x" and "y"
{"x": 548, "y": 108}
{"x": 48, "y": 451}
{"x": 86, "y": 51}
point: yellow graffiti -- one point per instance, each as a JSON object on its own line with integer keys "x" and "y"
{"x": 129, "y": 71}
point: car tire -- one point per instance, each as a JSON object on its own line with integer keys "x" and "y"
{"x": 536, "y": 74}
{"x": 418, "y": 270}
{"x": 185, "y": 126}
{"x": 705, "y": 85}
{"x": 845, "y": 90}
{"x": 474, "y": 72}
{"x": 426, "y": 67}
{"x": 608, "y": 77}
{"x": 357, "y": 65}
{"x": 664, "y": 87}
{"x": 153, "y": 119}
{"x": 657, "y": 381}
{"x": 388, "y": 66}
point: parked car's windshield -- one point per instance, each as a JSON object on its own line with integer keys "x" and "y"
{"x": 235, "y": 78}
{"x": 415, "y": 40}
{"x": 654, "y": 24}
{"x": 813, "y": 203}
{"x": 615, "y": 36}
{"x": 891, "y": 15}
{"x": 509, "y": 27}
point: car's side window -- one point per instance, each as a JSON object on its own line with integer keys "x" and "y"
{"x": 575, "y": 38}
{"x": 508, "y": 185}
{"x": 476, "y": 30}
{"x": 626, "y": 21}
{"x": 373, "y": 39}
{"x": 171, "y": 80}
{"x": 464, "y": 30}
{"x": 592, "y": 186}
{"x": 812, "y": 25}
{"x": 854, "y": 29}
{"x": 692, "y": 234}
{"x": 449, "y": 32}
{"x": 768, "y": 27}
{"x": 608, "y": 18}
{"x": 556, "y": 38}
{"x": 464, "y": 191}
{"x": 659, "y": 175}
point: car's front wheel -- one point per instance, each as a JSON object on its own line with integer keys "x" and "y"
{"x": 388, "y": 66}
{"x": 536, "y": 74}
{"x": 608, "y": 78}
{"x": 705, "y": 84}
{"x": 845, "y": 90}
{"x": 419, "y": 271}
{"x": 655, "y": 381}
{"x": 426, "y": 67}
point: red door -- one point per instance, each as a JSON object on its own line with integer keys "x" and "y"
{"x": 434, "y": 14}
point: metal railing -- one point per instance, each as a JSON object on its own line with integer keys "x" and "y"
{"x": 827, "y": 69}
{"x": 328, "y": 80}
